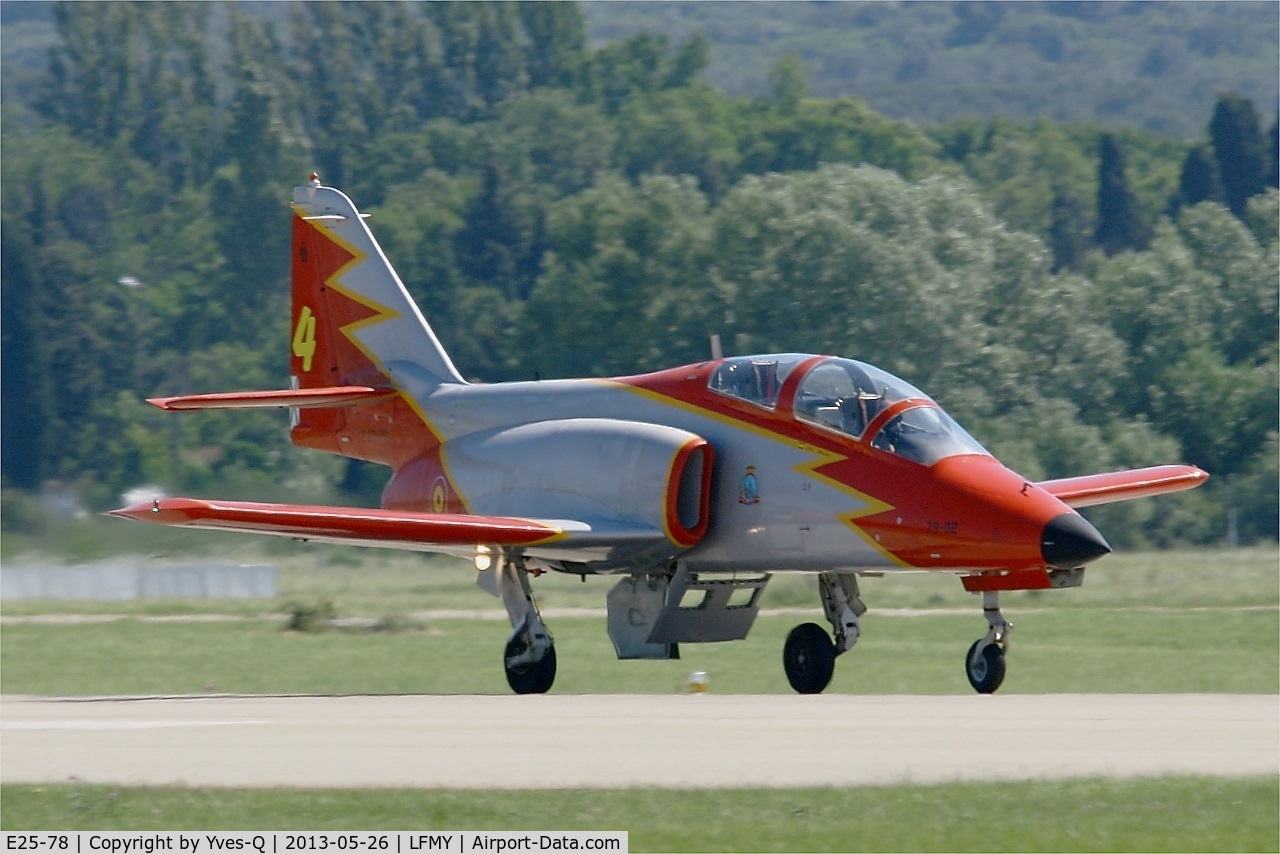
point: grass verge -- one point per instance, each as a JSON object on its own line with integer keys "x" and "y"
{"x": 372, "y": 582}
{"x": 1053, "y": 651}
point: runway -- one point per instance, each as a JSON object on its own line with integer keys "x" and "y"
{"x": 569, "y": 741}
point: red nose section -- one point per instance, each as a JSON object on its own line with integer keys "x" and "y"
{"x": 972, "y": 512}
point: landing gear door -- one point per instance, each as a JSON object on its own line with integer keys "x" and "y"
{"x": 635, "y": 604}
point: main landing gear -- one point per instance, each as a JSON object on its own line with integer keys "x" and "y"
{"x": 809, "y": 655}
{"x": 530, "y": 655}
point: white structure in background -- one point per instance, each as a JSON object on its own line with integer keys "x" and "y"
{"x": 145, "y": 492}
{"x": 119, "y": 580}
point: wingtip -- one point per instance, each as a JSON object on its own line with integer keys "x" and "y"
{"x": 161, "y": 510}
{"x": 136, "y": 512}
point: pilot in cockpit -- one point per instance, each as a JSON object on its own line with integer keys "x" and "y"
{"x": 859, "y": 409}
{"x": 754, "y": 380}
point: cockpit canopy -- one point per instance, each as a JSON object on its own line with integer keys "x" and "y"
{"x": 853, "y": 398}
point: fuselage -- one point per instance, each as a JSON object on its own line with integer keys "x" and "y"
{"x": 801, "y": 481}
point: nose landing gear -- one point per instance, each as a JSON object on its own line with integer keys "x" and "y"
{"x": 984, "y": 664}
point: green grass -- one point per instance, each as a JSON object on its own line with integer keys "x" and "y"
{"x": 1174, "y": 814}
{"x": 1052, "y": 651}
{"x": 372, "y": 582}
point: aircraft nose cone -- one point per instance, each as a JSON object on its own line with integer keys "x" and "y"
{"x": 1069, "y": 541}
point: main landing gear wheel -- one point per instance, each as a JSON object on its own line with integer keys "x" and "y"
{"x": 529, "y": 657}
{"x": 986, "y": 669}
{"x": 529, "y": 677}
{"x": 809, "y": 657}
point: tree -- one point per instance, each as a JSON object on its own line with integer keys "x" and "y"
{"x": 679, "y": 132}
{"x": 334, "y": 108}
{"x": 1273, "y": 154}
{"x": 842, "y": 130}
{"x": 1120, "y": 224}
{"x": 499, "y": 58}
{"x": 690, "y": 61}
{"x": 1199, "y": 180}
{"x": 642, "y": 65}
{"x": 1067, "y": 237}
{"x": 26, "y": 407}
{"x": 137, "y": 73}
{"x": 1240, "y": 150}
{"x": 788, "y": 83}
{"x": 556, "y": 46}
{"x": 248, "y": 196}
{"x": 625, "y": 286}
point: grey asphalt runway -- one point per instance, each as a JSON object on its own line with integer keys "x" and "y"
{"x": 560, "y": 741}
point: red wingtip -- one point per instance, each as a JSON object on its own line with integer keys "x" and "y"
{"x": 166, "y": 511}
{"x": 138, "y": 512}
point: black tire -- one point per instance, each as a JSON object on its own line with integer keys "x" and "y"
{"x": 986, "y": 675}
{"x": 533, "y": 678}
{"x": 809, "y": 658}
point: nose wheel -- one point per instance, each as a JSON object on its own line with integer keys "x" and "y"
{"x": 984, "y": 664}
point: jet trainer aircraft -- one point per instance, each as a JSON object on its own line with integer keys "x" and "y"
{"x": 693, "y": 485}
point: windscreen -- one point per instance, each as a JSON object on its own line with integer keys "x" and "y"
{"x": 925, "y": 435}
{"x": 846, "y": 396}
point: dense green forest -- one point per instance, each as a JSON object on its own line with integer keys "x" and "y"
{"x": 1148, "y": 64}
{"x": 1144, "y": 64}
{"x": 1080, "y": 299}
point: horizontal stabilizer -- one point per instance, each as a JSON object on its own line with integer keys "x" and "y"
{"x": 299, "y": 398}
{"x": 1092, "y": 489}
{"x": 451, "y": 533}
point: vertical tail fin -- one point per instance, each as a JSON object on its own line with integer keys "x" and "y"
{"x": 353, "y": 323}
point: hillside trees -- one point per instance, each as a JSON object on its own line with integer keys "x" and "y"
{"x": 137, "y": 77}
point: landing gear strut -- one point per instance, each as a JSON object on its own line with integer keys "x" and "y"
{"x": 984, "y": 664}
{"x": 809, "y": 655}
{"x": 530, "y": 655}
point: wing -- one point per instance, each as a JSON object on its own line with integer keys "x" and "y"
{"x": 450, "y": 533}
{"x": 1093, "y": 489}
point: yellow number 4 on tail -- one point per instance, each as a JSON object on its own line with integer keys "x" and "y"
{"x": 304, "y": 337}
